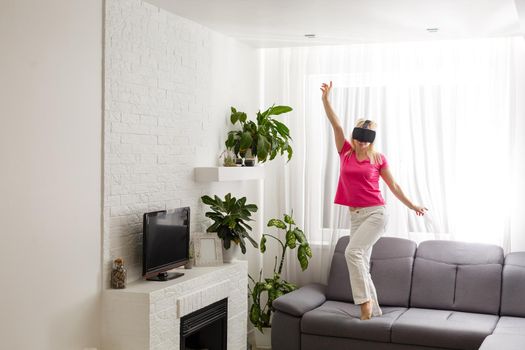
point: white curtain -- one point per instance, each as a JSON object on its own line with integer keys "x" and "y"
{"x": 446, "y": 125}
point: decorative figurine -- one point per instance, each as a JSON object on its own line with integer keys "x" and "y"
{"x": 118, "y": 275}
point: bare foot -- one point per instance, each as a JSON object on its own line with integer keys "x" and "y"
{"x": 376, "y": 310}
{"x": 366, "y": 311}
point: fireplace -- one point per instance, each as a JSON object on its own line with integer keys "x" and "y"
{"x": 206, "y": 328}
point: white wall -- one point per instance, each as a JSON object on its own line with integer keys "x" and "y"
{"x": 520, "y": 8}
{"x": 50, "y": 178}
{"x": 170, "y": 83}
{"x": 517, "y": 225}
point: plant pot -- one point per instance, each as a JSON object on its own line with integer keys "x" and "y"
{"x": 263, "y": 340}
{"x": 228, "y": 158}
{"x": 189, "y": 264}
{"x": 232, "y": 254}
{"x": 249, "y": 158}
{"x": 249, "y": 162}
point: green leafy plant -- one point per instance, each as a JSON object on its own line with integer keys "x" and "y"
{"x": 266, "y": 138}
{"x": 229, "y": 219}
{"x": 274, "y": 287}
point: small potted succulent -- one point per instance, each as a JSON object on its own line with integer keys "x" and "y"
{"x": 228, "y": 158}
{"x": 191, "y": 256}
{"x": 229, "y": 222}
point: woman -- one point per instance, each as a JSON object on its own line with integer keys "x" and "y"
{"x": 358, "y": 188}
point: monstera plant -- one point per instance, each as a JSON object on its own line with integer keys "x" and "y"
{"x": 261, "y": 309}
{"x": 265, "y": 138}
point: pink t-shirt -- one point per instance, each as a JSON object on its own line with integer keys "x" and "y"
{"x": 358, "y": 181}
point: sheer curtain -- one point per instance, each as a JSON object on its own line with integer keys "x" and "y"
{"x": 446, "y": 122}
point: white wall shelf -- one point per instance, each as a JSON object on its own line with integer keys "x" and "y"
{"x": 219, "y": 174}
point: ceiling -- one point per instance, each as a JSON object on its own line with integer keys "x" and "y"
{"x": 281, "y": 23}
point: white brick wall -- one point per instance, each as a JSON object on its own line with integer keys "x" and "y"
{"x": 163, "y": 116}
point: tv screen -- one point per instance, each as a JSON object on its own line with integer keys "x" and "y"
{"x": 166, "y": 243}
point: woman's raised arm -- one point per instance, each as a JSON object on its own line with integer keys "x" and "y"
{"x": 339, "y": 135}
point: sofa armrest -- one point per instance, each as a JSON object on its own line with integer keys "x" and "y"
{"x": 301, "y": 300}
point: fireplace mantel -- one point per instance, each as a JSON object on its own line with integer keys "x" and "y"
{"x": 146, "y": 315}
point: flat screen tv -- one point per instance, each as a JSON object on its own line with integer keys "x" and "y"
{"x": 166, "y": 242}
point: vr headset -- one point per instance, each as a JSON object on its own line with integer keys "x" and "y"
{"x": 363, "y": 134}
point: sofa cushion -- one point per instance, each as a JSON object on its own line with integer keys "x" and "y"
{"x": 391, "y": 270}
{"x": 301, "y": 300}
{"x": 503, "y": 342}
{"x": 440, "y": 328}
{"x": 318, "y": 342}
{"x": 513, "y": 290}
{"x": 341, "y": 319}
{"x": 510, "y": 325}
{"x": 457, "y": 276}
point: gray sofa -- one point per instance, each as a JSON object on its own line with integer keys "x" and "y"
{"x": 440, "y": 295}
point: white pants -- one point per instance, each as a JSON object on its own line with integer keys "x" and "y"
{"x": 368, "y": 224}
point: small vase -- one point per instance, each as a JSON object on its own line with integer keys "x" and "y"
{"x": 249, "y": 158}
{"x": 249, "y": 161}
{"x": 118, "y": 274}
{"x": 231, "y": 254}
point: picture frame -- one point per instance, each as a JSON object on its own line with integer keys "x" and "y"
{"x": 208, "y": 250}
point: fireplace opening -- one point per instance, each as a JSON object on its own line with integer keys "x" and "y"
{"x": 206, "y": 328}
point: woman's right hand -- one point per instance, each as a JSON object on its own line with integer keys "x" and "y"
{"x": 420, "y": 210}
{"x": 339, "y": 135}
{"x": 325, "y": 88}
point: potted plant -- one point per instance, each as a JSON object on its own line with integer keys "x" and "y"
{"x": 264, "y": 138}
{"x": 229, "y": 222}
{"x": 273, "y": 287}
{"x": 228, "y": 158}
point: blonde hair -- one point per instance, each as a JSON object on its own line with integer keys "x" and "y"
{"x": 373, "y": 155}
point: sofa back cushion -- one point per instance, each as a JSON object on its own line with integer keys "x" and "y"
{"x": 390, "y": 267}
{"x": 457, "y": 276}
{"x": 513, "y": 290}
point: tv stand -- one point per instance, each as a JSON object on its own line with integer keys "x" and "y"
{"x": 165, "y": 276}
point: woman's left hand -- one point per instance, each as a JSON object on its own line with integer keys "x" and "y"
{"x": 420, "y": 211}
